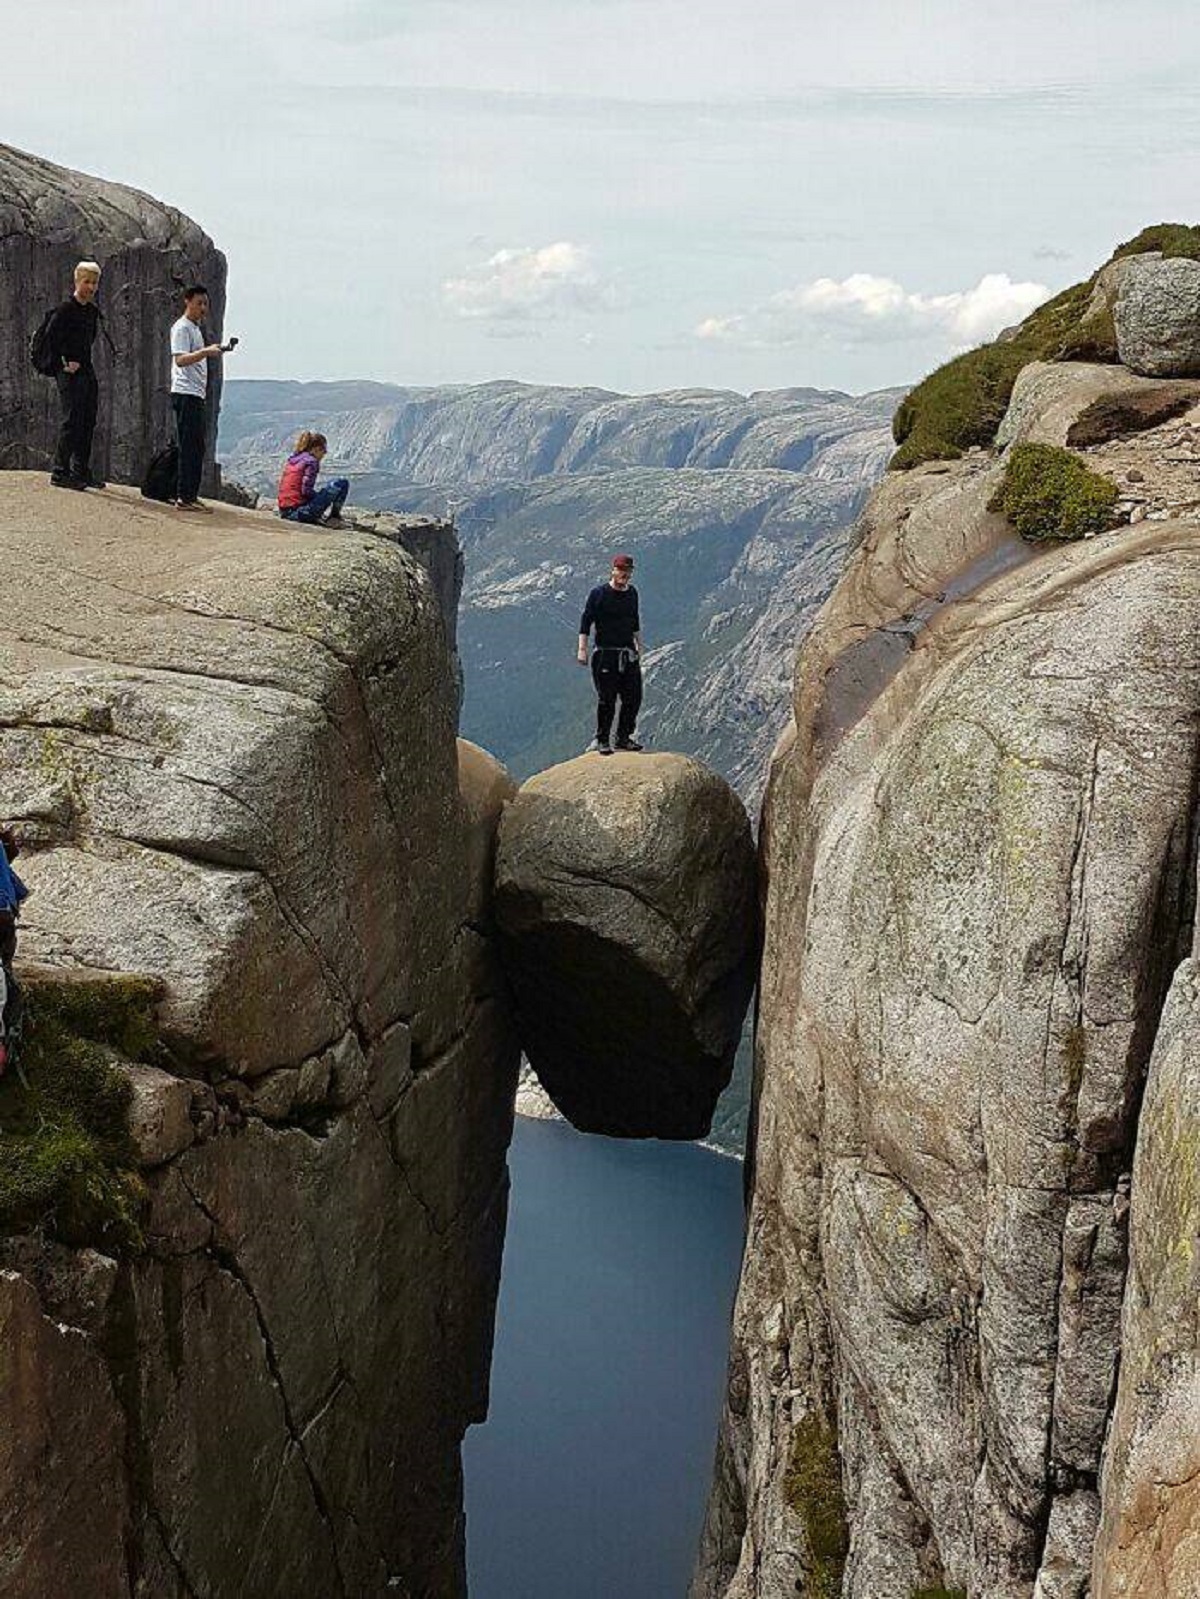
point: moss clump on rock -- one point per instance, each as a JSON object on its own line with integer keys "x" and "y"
{"x": 1174, "y": 240}
{"x": 813, "y": 1489}
{"x": 939, "y": 1593}
{"x": 67, "y": 1162}
{"x": 1048, "y": 493}
{"x": 963, "y": 403}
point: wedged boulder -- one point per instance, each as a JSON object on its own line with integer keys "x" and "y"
{"x": 626, "y": 903}
{"x": 1158, "y": 318}
{"x": 1149, "y": 1542}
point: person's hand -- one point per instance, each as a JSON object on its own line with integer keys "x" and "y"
{"x": 581, "y": 657}
{"x": 213, "y": 349}
{"x": 71, "y": 366}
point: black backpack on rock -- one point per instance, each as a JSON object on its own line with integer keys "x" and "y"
{"x": 43, "y": 352}
{"x": 162, "y": 475}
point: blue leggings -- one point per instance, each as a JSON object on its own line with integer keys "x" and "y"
{"x": 331, "y": 498}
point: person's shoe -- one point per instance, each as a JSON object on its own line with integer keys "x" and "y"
{"x": 334, "y": 521}
{"x": 191, "y": 505}
{"x": 89, "y": 480}
{"x": 628, "y": 744}
{"x": 600, "y": 746}
{"x": 64, "y": 480}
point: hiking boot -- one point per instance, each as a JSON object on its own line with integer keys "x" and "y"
{"x": 88, "y": 480}
{"x": 64, "y": 480}
{"x": 192, "y": 505}
{"x": 333, "y": 521}
{"x": 600, "y": 746}
{"x": 628, "y": 744}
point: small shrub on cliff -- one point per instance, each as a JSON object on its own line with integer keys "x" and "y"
{"x": 1048, "y": 493}
{"x": 813, "y": 1489}
{"x": 67, "y": 1162}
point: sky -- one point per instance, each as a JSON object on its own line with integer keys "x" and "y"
{"x": 632, "y": 194}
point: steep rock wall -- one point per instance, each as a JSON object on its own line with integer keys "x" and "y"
{"x": 979, "y": 848}
{"x": 50, "y": 218}
{"x": 229, "y": 754}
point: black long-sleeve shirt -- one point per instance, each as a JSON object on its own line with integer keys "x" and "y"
{"x": 73, "y": 330}
{"x": 614, "y": 614}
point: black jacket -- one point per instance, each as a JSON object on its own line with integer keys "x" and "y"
{"x": 73, "y": 330}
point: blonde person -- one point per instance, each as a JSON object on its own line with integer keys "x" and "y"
{"x": 72, "y": 332}
{"x": 300, "y": 500}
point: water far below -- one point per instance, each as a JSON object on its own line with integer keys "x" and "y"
{"x": 589, "y": 1478}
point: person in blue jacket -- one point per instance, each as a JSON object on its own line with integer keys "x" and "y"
{"x": 12, "y": 893}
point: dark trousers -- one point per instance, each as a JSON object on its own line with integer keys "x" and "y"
{"x": 79, "y": 395}
{"x": 8, "y": 937}
{"x": 331, "y": 498}
{"x": 189, "y": 430}
{"x": 617, "y": 675}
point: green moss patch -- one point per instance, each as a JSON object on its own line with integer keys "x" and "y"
{"x": 939, "y": 1593}
{"x": 67, "y": 1163}
{"x": 1048, "y": 493}
{"x": 963, "y": 402}
{"x": 1175, "y": 240}
{"x": 813, "y": 1489}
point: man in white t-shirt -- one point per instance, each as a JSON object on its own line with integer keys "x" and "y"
{"x": 189, "y": 388}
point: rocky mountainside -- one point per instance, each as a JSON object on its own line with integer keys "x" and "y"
{"x": 737, "y": 509}
{"x": 961, "y": 1365}
{"x": 253, "y": 1181}
{"x": 50, "y": 218}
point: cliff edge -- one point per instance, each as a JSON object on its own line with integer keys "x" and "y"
{"x": 228, "y": 752}
{"x": 979, "y": 844}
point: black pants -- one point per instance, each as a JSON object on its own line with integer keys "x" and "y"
{"x": 189, "y": 430}
{"x": 617, "y": 674}
{"x": 79, "y": 394}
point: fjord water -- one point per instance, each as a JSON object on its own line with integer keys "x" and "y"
{"x": 589, "y": 1478}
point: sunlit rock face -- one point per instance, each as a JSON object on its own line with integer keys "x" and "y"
{"x": 228, "y": 752}
{"x": 625, "y": 897}
{"x": 979, "y": 852}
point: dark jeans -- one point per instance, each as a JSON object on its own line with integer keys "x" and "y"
{"x": 8, "y": 937}
{"x": 617, "y": 674}
{"x": 331, "y": 498}
{"x": 189, "y": 430}
{"x": 79, "y": 394}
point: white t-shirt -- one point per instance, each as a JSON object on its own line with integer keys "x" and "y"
{"x": 186, "y": 337}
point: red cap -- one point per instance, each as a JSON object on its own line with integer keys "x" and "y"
{"x": 625, "y": 562}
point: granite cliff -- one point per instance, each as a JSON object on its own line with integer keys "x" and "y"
{"x": 979, "y": 845}
{"x": 51, "y": 217}
{"x": 245, "y": 1331}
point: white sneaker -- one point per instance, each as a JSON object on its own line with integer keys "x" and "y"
{"x": 599, "y": 747}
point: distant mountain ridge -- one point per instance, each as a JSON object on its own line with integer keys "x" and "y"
{"x": 737, "y": 508}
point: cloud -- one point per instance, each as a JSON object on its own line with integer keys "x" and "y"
{"x": 1051, "y": 252}
{"x": 863, "y": 308}
{"x": 519, "y": 284}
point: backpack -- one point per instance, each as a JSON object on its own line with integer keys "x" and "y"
{"x": 43, "y": 352}
{"x": 162, "y": 475}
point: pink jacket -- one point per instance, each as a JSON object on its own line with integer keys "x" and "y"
{"x": 298, "y": 480}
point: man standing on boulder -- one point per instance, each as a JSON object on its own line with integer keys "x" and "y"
{"x": 189, "y": 390}
{"x": 72, "y": 332}
{"x": 612, "y": 609}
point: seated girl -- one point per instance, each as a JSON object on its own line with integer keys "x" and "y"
{"x": 300, "y": 500}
